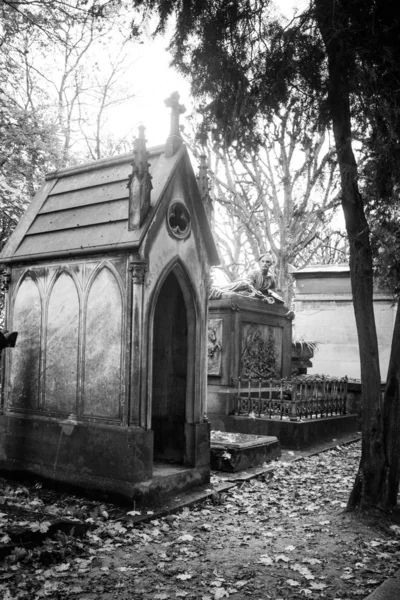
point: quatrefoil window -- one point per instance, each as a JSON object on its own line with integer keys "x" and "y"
{"x": 178, "y": 220}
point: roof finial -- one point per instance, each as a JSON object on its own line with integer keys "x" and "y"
{"x": 204, "y": 186}
{"x": 139, "y": 183}
{"x": 174, "y": 140}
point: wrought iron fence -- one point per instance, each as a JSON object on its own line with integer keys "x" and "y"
{"x": 294, "y": 399}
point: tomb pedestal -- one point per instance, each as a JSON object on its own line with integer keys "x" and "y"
{"x": 246, "y": 337}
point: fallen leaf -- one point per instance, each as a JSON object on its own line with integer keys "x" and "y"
{"x": 264, "y": 559}
{"x": 184, "y": 576}
{"x": 62, "y": 567}
{"x": 185, "y": 538}
{"x": 220, "y": 593}
{"x": 311, "y": 561}
{"x": 303, "y": 571}
{"x": 76, "y": 589}
{"x": 318, "y": 586}
{"x": 281, "y": 557}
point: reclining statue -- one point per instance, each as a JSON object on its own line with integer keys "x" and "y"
{"x": 259, "y": 283}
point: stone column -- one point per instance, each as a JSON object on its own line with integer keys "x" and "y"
{"x": 137, "y": 412}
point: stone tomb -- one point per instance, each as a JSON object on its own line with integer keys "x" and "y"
{"x": 249, "y": 338}
{"x": 108, "y": 272}
{"x": 233, "y": 452}
{"x": 245, "y": 336}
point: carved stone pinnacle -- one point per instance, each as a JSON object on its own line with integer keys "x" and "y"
{"x": 139, "y": 182}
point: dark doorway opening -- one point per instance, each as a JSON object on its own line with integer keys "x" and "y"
{"x": 170, "y": 351}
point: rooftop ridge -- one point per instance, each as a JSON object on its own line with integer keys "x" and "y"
{"x": 101, "y": 163}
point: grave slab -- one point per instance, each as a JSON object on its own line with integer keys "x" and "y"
{"x": 233, "y": 452}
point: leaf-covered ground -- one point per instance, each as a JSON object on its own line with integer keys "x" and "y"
{"x": 282, "y": 536}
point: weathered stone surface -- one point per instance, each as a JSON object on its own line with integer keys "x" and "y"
{"x": 197, "y": 436}
{"x": 62, "y": 346}
{"x": 102, "y": 391}
{"x": 25, "y": 358}
{"x": 87, "y": 456}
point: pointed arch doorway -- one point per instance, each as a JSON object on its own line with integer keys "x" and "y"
{"x": 172, "y": 369}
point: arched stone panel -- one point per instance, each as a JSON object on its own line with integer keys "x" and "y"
{"x": 103, "y": 347}
{"x": 25, "y": 357}
{"x": 62, "y": 346}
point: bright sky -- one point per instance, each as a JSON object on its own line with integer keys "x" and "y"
{"x": 156, "y": 81}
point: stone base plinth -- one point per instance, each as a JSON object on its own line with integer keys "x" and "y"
{"x": 108, "y": 462}
{"x": 293, "y": 435}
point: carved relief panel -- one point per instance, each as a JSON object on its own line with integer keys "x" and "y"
{"x": 261, "y": 351}
{"x": 214, "y": 347}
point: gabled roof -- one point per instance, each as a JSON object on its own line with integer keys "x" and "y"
{"x": 84, "y": 210}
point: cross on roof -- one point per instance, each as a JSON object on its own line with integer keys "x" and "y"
{"x": 176, "y": 110}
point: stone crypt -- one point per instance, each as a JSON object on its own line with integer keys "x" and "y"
{"x": 108, "y": 274}
{"x": 249, "y": 335}
{"x": 250, "y": 388}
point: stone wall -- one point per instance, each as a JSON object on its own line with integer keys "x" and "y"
{"x": 325, "y": 314}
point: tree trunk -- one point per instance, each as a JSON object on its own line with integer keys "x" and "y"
{"x": 391, "y": 422}
{"x": 376, "y": 469}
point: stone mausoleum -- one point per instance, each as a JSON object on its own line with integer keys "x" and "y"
{"x": 108, "y": 293}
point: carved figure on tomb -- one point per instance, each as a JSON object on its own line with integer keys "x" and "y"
{"x": 259, "y": 283}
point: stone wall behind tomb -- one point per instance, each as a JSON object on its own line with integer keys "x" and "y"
{"x": 325, "y": 314}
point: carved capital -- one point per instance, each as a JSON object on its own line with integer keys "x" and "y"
{"x": 5, "y": 279}
{"x": 138, "y": 270}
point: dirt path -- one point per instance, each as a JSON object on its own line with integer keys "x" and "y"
{"x": 282, "y": 537}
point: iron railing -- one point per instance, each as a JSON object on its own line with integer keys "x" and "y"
{"x": 294, "y": 399}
